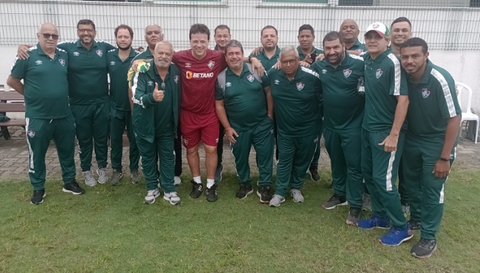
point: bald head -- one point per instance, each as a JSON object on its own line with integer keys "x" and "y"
{"x": 349, "y": 30}
{"x": 48, "y": 37}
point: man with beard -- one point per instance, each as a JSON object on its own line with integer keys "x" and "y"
{"x": 295, "y": 92}
{"x": 383, "y": 136}
{"x": 269, "y": 52}
{"x": 244, "y": 107}
{"x": 401, "y": 31}
{"x": 342, "y": 82}
{"x": 153, "y": 35}
{"x": 433, "y": 122}
{"x": 47, "y": 115}
{"x": 349, "y": 30}
{"x": 156, "y": 97}
{"x": 119, "y": 62}
{"x": 222, "y": 37}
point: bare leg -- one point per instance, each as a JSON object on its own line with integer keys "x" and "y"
{"x": 194, "y": 161}
{"x": 210, "y": 161}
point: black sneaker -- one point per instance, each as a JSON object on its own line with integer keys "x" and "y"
{"x": 197, "y": 189}
{"x": 334, "y": 201}
{"x": 212, "y": 194}
{"x": 38, "y": 197}
{"x": 314, "y": 174}
{"x": 264, "y": 193}
{"x": 244, "y": 191}
{"x": 218, "y": 173}
{"x": 424, "y": 248}
{"x": 353, "y": 216}
{"x": 73, "y": 187}
{"x": 414, "y": 225}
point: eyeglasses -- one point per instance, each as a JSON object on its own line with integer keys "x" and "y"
{"x": 48, "y": 35}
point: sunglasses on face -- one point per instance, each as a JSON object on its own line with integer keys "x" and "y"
{"x": 47, "y": 36}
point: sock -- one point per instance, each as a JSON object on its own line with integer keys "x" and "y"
{"x": 197, "y": 179}
{"x": 210, "y": 183}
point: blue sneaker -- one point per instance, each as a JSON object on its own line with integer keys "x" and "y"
{"x": 374, "y": 222}
{"x": 395, "y": 237}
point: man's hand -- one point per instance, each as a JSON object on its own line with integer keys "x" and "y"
{"x": 320, "y": 57}
{"x": 304, "y": 63}
{"x": 22, "y": 52}
{"x": 158, "y": 94}
{"x": 441, "y": 169}
{"x": 231, "y": 134}
{"x": 390, "y": 143}
{"x": 258, "y": 66}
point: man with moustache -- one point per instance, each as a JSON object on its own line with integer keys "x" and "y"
{"x": 222, "y": 37}
{"x": 269, "y": 52}
{"x": 47, "y": 114}
{"x": 296, "y": 101}
{"x": 386, "y": 104}
{"x": 342, "y": 92}
{"x": 349, "y": 30}
{"x": 156, "y": 98}
{"x": 153, "y": 35}
{"x": 245, "y": 108}
{"x": 119, "y": 62}
{"x": 433, "y": 122}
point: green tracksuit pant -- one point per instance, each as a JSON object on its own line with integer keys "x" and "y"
{"x": 92, "y": 126}
{"x": 39, "y": 134}
{"x": 120, "y": 120}
{"x": 295, "y": 155}
{"x": 425, "y": 190}
{"x": 345, "y": 149}
{"x": 161, "y": 154}
{"x": 402, "y": 188}
{"x": 261, "y": 137}
{"x": 380, "y": 168}
{"x": 316, "y": 155}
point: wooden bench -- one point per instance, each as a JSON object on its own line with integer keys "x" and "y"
{"x": 12, "y": 102}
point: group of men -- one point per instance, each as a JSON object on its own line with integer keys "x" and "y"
{"x": 390, "y": 100}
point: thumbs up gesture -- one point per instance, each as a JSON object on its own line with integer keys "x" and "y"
{"x": 157, "y": 94}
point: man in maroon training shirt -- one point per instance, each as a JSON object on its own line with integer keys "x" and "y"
{"x": 200, "y": 67}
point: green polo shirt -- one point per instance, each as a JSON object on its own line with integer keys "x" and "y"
{"x": 343, "y": 105}
{"x": 314, "y": 49}
{"x": 357, "y": 45}
{"x": 384, "y": 81}
{"x": 267, "y": 63}
{"x": 146, "y": 55}
{"x": 433, "y": 101}
{"x": 244, "y": 99}
{"x": 118, "y": 70}
{"x": 87, "y": 71}
{"x": 151, "y": 118}
{"x": 296, "y": 103}
{"x": 45, "y": 84}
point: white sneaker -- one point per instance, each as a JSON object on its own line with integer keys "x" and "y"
{"x": 151, "y": 196}
{"x": 102, "y": 175}
{"x": 172, "y": 197}
{"x": 177, "y": 181}
{"x": 297, "y": 196}
{"x": 89, "y": 179}
{"x": 276, "y": 200}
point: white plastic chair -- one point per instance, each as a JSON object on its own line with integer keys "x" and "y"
{"x": 466, "y": 111}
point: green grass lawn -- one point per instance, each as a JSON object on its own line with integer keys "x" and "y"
{"x": 109, "y": 229}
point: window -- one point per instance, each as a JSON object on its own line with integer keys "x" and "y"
{"x": 355, "y": 2}
{"x": 298, "y": 1}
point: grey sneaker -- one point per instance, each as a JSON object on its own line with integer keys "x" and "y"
{"x": 218, "y": 173}
{"x": 151, "y": 196}
{"x": 276, "y": 200}
{"x": 135, "y": 176}
{"x": 172, "y": 197}
{"x": 177, "y": 181}
{"x": 367, "y": 202}
{"x": 353, "y": 216}
{"x": 297, "y": 196}
{"x": 335, "y": 201}
{"x": 116, "y": 176}
{"x": 102, "y": 175}
{"x": 89, "y": 179}
{"x": 424, "y": 248}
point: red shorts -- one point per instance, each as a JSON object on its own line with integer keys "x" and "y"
{"x": 196, "y": 127}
